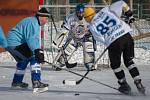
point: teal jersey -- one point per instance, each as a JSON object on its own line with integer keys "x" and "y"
{"x": 3, "y": 41}
{"x": 26, "y": 31}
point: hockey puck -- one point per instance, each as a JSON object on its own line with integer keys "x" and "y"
{"x": 76, "y": 94}
{"x": 69, "y": 82}
{"x": 63, "y": 81}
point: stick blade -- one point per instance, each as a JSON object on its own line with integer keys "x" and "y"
{"x": 69, "y": 82}
{"x": 72, "y": 65}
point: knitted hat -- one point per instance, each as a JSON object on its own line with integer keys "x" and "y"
{"x": 43, "y": 12}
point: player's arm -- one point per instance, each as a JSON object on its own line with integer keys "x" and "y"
{"x": 66, "y": 23}
{"x": 32, "y": 38}
{"x": 3, "y": 41}
{"x": 128, "y": 14}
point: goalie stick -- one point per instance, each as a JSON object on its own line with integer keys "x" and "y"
{"x": 62, "y": 53}
{"x": 80, "y": 80}
{"x": 68, "y": 65}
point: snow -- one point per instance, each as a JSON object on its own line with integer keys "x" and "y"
{"x": 142, "y": 56}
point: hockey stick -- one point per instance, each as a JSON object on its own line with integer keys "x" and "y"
{"x": 62, "y": 53}
{"x": 144, "y": 35}
{"x": 68, "y": 65}
{"x": 137, "y": 28}
{"x": 61, "y": 36}
{"x": 80, "y": 80}
{"x": 141, "y": 34}
{"x": 54, "y": 24}
{"x": 93, "y": 80}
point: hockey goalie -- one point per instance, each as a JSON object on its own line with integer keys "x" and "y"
{"x": 77, "y": 35}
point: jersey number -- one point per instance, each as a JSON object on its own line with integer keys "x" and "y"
{"x": 103, "y": 27}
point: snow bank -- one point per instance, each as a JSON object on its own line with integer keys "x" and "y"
{"x": 142, "y": 57}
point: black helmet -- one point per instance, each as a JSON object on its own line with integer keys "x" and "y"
{"x": 43, "y": 12}
{"x": 80, "y": 8}
{"x": 80, "y": 11}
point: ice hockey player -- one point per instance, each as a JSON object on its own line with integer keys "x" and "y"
{"x": 24, "y": 46}
{"x": 3, "y": 41}
{"x": 107, "y": 27}
{"x": 78, "y": 35}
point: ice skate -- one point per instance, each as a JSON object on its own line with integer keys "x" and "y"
{"x": 124, "y": 88}
{"x": 21, "y": 85}
{"x": 39, "y": 87}
{"x": 140, "y": 87}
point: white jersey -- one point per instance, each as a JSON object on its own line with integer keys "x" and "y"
{"x": 77, "y": 27}
{"x": 106, "y": 26}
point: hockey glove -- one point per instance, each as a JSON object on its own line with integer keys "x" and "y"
{"x": 131, "y": 20}
{"x": 39, "y": 55}
{"x": 129, "y": 17}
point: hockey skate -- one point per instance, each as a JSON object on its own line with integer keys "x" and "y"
{"x": 21, "y": 85}
{"x": 140, "y": 87}
{"x": 124, "y": 88}
{"x": 39, "y": 87}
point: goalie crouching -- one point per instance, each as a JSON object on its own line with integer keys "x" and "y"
{"x": 78, "y": 35}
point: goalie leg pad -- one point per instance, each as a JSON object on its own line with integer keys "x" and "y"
{"x": 88, "y": 46}
{"x": 69, "y": 49}
{"x": 89, "y": 58}
{"x": 89, "y": 54}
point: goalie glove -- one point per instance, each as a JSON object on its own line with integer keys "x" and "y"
{"x": 39, "y": 55}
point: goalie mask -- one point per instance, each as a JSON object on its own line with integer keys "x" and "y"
{"x": 80, "y": 11}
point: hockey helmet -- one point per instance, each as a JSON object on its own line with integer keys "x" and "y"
{"x": 80, "y": 8}
{"x": 89, "y": 13}
{"x": 80, "y": 11}
{"x": 43, "y": 12}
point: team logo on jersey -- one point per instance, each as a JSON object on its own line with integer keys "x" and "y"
{"x": 80, "y": 31}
